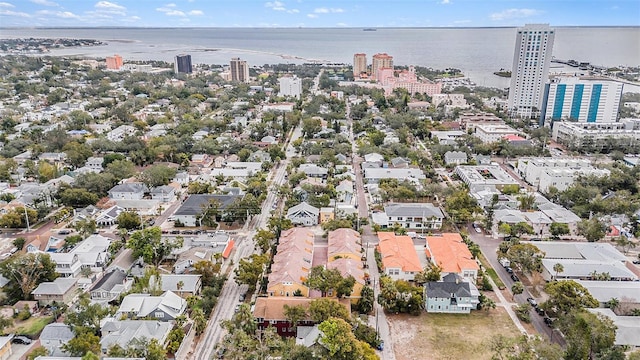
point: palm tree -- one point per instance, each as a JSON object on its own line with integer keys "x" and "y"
{"x": 179, "y": 286}
{"x": 613, "y": 304}
{"x": 558, "y": 268}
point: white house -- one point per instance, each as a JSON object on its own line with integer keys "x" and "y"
{"x": 128, "y": 191}
{"x": 119, "y": 133}
{"x": 414, "y": 215}
{"x": 303, "y": 214}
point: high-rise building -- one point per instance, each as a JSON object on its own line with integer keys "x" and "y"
{"x": 239, "y": 70}
{"x": 582, "y": 99}
{"x": 114, "y": 62}
{"x": 290, "y": 86}
{"x": 380, "y": 61}
{"x": 530, "y": 71}
{"x": 359, "y": 64}
{"x": 182, "y": 64}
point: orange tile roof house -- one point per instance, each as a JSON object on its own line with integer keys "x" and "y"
{"x": 345, "y": 254}
{"x": 399, "y": 258}
{"x": 292, "y": 263}
{"x": 452, "y": 255}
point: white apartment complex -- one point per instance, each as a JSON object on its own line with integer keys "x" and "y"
{"x": 530, "y": 71}
{"x": 623, "y": 135}
{"x": 489, "y": 133}
{"x": 290, "y": 86}
{"x": 559, "y": 173}
{"x": 582, "y": 99}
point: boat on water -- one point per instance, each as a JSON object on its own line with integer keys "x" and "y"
{"x": 369, "y": 29}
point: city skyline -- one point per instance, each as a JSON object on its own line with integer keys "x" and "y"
{"x": 305, "y": 13}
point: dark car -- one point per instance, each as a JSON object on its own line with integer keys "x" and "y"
{"x": 381, "y": 345}
{"x": 64, "y": 232}
{"x": 515, "y": 277}
{"x": 540, "y": 311}
{"x": 637, "y": 262}
{"x": 548, "y": 321}
{"x": 187, "y": 232}
{"x": 21, "y": 340}
{"x": 175, "y": 232}
{"x": 509, "y": 270}
{"x": 532, "y": 301}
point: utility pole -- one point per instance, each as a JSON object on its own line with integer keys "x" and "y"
{"x": 26, "y": 215}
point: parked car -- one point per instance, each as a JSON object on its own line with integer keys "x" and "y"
{"x": 548, "y": 321}
{"x": 381, "y": 345}
{"x": 509, "y": 270}
{"x": 243, "y": 296}
{"x": 64, "y": 232}
{"x": 637, "y": 262}
{"x": 532, "y": 301}
{"x": 174, "y": 232}
{"x": 237, "y": 308}
{"x": 477, "y": 228}
{"x": 540, "y": 311}
{"x": 21, "y": 340}
{"x": 515, "y": 277}
{"x": 187, "y": 232}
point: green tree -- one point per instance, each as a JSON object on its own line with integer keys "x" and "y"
{"x": 430, "y": 273}
{"x": 625, "y": 243}
{"x": 77, "y": 153}
{"x": 249, "y": 271}
{"x": 129, "y": 220}
{"x": 558, "y": 268}
{"x": 86, "y": 317}
{"x": 208, "y": 272}
{"x": 593, "y": 230}
{"x": 25, "y": 272}
{"x": 149, "y": 245}
{"x": 19, "y": 242}
{"x": 366, "y": 301}
{"x": 323, "y": 308}
{"x": 323, "y": 280}
{"x": 527, "y": 202}
{"x": 516, "y": 289}
{"x": 15, "y": 218}
{"x": 294, "y": 314}
{"x": 77, "y": 198}
{"x": 588, "y": 335}
{"x": 120, "y": 169}
{"x": 338, "y": 340}
{"x": 521, "y": 228}
{"x": 558, "y": 229}
{"x": 83, "y": 343}
{"x": 157, "y": 175}
{"x": 37, "y": 352}
{"x": 200, "y": 321}
{"x": 90, "y": 356}
{"x": 197, "y": 187}
{"x": 5, "y": 323}
{"x": 46, "y": 171}
{"x": 264, "y": 240}
{"x": 526, "y": 257}
{"x": 85, "y": 227}
{"x": 461, "y": 207}
{"x": 567, "y": 296}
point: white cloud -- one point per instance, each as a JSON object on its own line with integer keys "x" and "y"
{"x": 445, "y": 2}
{"x": 14, "y": 13}
{"x": 106, "y": 5}
{"x": 312, "y": 16}
{"x": 514, "y": 14}
{"x": 170, "y": 11}
{"x": 196, "y": 12}
{"x": 341, "y": 24}
{"x": 324, "y": 10}
{"x": 44, "y": 2}
{"x": 275, "y": 5}
{"x": 6, "y": 5}
{"x": 60, "y": 14}
{"x": 293, "y": 11}
{"x": 135, "y": 18}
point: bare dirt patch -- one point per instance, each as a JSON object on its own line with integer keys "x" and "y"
{"x": 448, "y": 336}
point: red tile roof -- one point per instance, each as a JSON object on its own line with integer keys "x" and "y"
{"x": 398, "y": 252}
{"x": 450, "y": 253}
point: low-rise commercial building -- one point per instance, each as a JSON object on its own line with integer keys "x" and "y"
{"x": 490, "y": 133}
{"x": 485, "y": 177}
{"x": 623, "y": 135}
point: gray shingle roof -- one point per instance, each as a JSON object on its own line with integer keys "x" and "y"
{"x": 56, "y": 331}
{"x": 110, "y": 280}
{"x": 444, "y": 289}
{"x": 195, "y": 203}
{"x": 413, "y": 209}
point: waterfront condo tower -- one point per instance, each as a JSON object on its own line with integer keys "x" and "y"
{"x": 359, "y": 64}
{"x": 114, "y": 62}
{"x": 182, "y": 64}
{"x": 380, "y": 61}
{"x": 290, "y": 86}
{"x": 239, "y": 70}
{"x": 582, "y": 99}
{"x": 530, "y": 71}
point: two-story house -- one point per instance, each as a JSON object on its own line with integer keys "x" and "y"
{"x": 111, "y": 286}
{"x": 399, "y": 258}
{"x": 128, "y": 191}
{"x": 414, "y": 215}
{"x": 165, "y": 307}
{"x": 451, "y": 295}
{"x": 303, "y": 214}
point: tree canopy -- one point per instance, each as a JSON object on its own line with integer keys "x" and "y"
{"x": 149, "y": 245}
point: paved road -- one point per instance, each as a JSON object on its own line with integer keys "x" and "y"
{"x": 489, "y": 246}
{"x": 229, "y": 297}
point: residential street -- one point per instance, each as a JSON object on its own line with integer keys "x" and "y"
{"x": 489, "y": 246}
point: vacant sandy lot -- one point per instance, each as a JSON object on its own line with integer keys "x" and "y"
{"x": 448, "y": 336}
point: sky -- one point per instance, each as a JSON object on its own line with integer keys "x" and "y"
{"x": 317, "y": 13}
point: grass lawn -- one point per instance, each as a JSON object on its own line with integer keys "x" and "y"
{"x": 492, "y": 273}
{"x": 32, "y": 326}
{"x": 448, "y": 336}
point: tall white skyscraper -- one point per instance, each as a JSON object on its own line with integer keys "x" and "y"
{"x": 290, "y": 86}
{"x": 530, "y": 71}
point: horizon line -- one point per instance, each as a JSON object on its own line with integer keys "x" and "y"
{"x": 304, "y": 27}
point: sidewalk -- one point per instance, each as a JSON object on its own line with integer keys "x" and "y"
{"x": 508, "y": 306}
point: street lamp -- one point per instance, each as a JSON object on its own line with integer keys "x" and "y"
{"x": 26, "y": 215}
